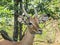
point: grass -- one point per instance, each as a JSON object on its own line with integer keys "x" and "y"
{"x": 48, "y": 33}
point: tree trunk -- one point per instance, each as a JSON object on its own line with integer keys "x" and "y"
{"x": 20, "y": 24}
{"x": 15, "y": 33}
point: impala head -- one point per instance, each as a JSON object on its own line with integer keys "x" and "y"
{"x": 32, "y": 22}
{"x": 33, "y": 26}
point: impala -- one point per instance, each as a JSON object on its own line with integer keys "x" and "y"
{"x": 32, "y": 29}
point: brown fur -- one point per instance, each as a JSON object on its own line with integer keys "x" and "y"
{"x": 28, "y": 38}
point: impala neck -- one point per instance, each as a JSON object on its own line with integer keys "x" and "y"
{"x": 27, "y": 39}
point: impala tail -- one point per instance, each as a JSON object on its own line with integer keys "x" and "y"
{"x": 5, "y": 35}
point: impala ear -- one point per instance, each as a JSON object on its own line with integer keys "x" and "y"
{"x": 43, "y": 18}
{"x": 22, "y": 19}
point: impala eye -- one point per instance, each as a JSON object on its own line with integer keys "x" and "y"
{"x": 30, "y": 23}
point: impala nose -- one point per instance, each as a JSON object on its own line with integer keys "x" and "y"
{"x": 40, "y": 31}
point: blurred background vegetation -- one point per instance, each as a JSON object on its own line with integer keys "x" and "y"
{"x": 51, "y": 7}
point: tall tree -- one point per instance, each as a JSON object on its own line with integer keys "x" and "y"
{"x": 26, "y": 5}
{"x": 20, "y": 24}
{"x": 15, "y": 33}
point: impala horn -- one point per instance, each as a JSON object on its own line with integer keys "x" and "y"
{"x": 26, "y": 14}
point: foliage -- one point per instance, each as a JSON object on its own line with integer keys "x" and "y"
{"x": 47, "y": 7}
{"x": 43, "y": 7}
{"x": 6, "y": 15}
